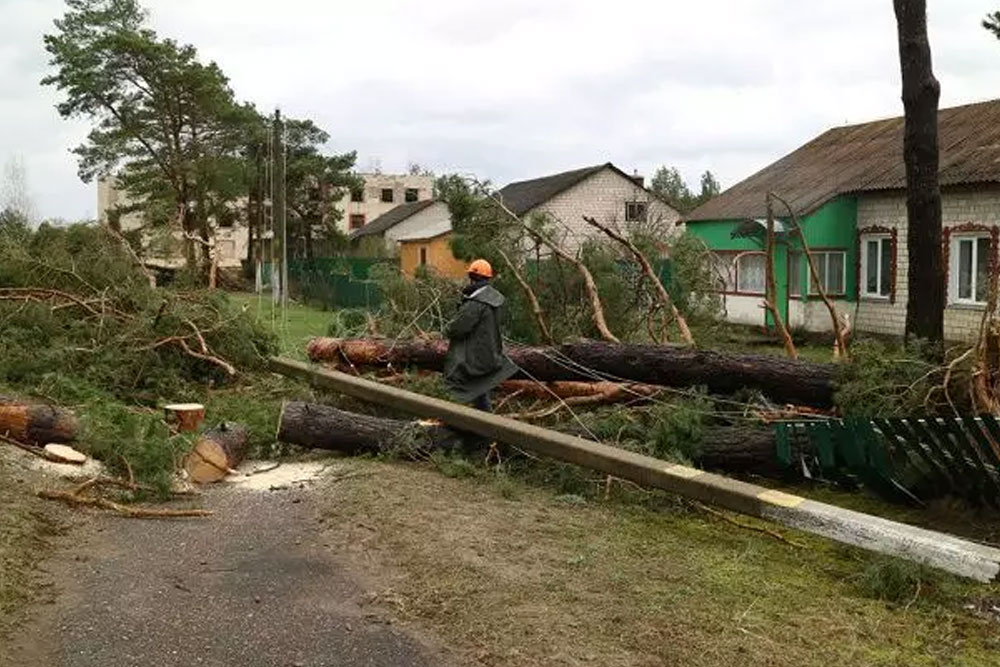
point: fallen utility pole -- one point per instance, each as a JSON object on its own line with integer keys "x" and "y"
{"x": 940, "y": 550}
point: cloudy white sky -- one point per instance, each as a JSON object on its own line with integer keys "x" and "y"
{"x": 511, "y": 89}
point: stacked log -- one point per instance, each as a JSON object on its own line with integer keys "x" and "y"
{"x": 782, "y": 380}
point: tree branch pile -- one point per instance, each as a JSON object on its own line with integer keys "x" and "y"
{"x": 77, "y": 301}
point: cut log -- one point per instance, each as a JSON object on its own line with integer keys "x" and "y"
{"x": 733, "y": 449}
{"x": 63, "y": 454}
{"x": 184, "y": 417}
{"x": 36, "y": 423}
{"x": 323, "y": 427}
{"x": 216, "y": 453}
{"x": 783, "y": 380}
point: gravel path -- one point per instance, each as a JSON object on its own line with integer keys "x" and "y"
{"x": 251, "y": 586}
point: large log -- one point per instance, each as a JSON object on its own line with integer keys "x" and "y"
{"x": 733, "y": 449}
{"x": 783, "y": 380}
{"x": 216, "y": 452}
{"x": 36, "y": 423}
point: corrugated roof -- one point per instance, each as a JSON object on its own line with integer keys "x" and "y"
{"x": 522, "y": 196}
{"x": 862, "y": 158}
{"x": 388, "y": 220}
{"x": 429, "y": 232}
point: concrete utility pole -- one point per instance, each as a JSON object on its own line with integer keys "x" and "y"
{"x": 279, "y": 270}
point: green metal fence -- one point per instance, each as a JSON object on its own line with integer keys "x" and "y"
{"x": 909, "y": 460}
{"x": 335, "y": 282}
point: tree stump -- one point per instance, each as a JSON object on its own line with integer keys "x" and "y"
{"x": 36, "y": 423}
{"x": 217, "y": 452}
{"x": 184, "y": 417}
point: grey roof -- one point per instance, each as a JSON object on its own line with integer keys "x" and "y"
{"x": 865, "y": 158}
{"x": 522, "y": 196}
{"x": 388, "y": 220}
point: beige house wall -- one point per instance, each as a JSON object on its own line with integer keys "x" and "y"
{"x": 961, "y": 322}
{"x": 602, "y": 196}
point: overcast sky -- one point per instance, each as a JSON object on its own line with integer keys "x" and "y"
{"x": 513, "y": 89}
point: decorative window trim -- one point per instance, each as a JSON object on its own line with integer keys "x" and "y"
{"x": 893, "y": 246}
{"x": 970, "y": 229}
{"x": 733, "y": 257}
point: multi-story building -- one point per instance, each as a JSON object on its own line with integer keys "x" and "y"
{"x": 381, "y": 193}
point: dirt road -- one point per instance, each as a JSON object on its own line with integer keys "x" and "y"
{"x": 251, "y": 586}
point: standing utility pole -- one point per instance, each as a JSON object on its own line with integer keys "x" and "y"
{"x": 279, "y": 269}
{"x": 926, "y": 298}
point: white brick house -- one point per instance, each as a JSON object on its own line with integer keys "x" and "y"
{"x": 603, "y": 192}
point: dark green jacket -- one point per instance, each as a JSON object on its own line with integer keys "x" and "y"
{"x": 476, "y": 363}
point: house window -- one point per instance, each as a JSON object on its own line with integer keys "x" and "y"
{"x": 387, "y": 195}
{"x": 876, "y": 266}
{"x": 831, "y": 269}
{"x": 795, "y": 263}
{"x": 423, "y": 256}
{"x": 357, "y": 220}
{"x": 724, "y": 271}
{"x": 750, "y": 273}
{"x": 358, "y": 195}
{"x": 411, "y": 195}
{"x": 635, "y": 211}
{"x": 970, "y": 269}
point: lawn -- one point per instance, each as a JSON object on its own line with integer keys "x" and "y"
{"x": 519, "y": 575}
{"x": 295, "y": 326}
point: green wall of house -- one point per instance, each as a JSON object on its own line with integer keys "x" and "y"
{"x": 833, "y": 226}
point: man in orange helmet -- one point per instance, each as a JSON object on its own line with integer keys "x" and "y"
{"x": 476, "y": 362}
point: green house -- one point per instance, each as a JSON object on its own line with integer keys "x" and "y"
{"x": 847, "y": 189}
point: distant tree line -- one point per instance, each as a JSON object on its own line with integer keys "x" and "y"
{"x": 669, "y": 185}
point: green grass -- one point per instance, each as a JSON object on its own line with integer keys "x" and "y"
{"x": 514, "y": 574}
{"x": 294, "y": 326}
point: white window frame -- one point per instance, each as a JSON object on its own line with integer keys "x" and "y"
{"x": 796, "y": 260}
{"x": 882, "y": 239}
{"x": 736, "y": 262}
{"x": 954, "y": 274}
{"x": 826, "y": 268}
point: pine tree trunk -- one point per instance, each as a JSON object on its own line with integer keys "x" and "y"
{"x": 783, "y": 380}
{"x": 921, "y": 91}
{"x": 733, "y": 449}
{"x": 36, "y": 423}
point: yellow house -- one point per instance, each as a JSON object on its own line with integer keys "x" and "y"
{"x": 430, "y": 247}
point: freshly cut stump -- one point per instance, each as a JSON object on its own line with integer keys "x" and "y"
{"x": 63, "y": 454}
{"x": 184, "y": 417}
{"x": 217, "y": 452}
{"x": 36, "y": 423}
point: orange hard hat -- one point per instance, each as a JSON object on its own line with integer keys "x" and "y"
{"x": 481, "y": 267}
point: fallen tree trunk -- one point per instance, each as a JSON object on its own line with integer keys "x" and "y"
{"x": 36, "y": 423}
{"x": 783, "y": 380}
{"x": 217, "y": 452}
{"x": 733, "y": 449}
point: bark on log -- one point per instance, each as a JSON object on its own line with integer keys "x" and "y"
{"x": 783, "y": 380}
{"x": 36, "y": 423}
{"x": 324, "y": 427}
{"x": 216, "y": 452}
{"x": 732, "y": 449}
